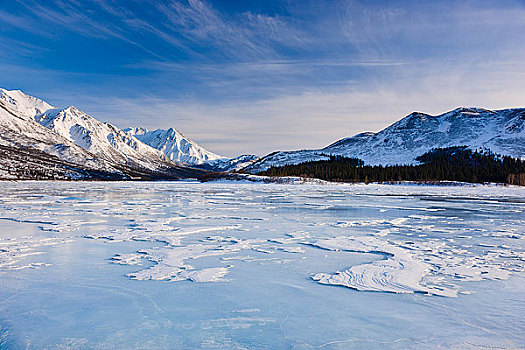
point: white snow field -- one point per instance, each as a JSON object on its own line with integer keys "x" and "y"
{"x": 185, "y": 265}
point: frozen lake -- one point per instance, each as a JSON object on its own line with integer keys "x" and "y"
{"x": 184, "y": 265}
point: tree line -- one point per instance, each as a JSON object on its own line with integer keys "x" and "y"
{"x": 441, "y": 164}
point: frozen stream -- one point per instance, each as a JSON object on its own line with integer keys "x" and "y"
{"x": 183, "y": 265}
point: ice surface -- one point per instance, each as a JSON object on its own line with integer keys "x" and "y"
{"x": 253, "y": 265}
{"x": 408, "y": 264}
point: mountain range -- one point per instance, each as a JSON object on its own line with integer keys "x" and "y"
{"x": 39, "y": 141}
{"x": 174, "y": 145}
{"x": 500, "y": 131}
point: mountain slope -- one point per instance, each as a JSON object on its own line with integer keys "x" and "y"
{"x": 229, "y": 164}
{"x": 31, "y": 127}
{"x": 174, "y": 145}
{"x": 23, "y": 105}
{"x": 29, "y": 150}
{"x": 102, "y": 139}
{"x": 501, "y": 131}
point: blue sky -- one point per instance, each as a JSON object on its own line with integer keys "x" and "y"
{"x": 258, "y": 76}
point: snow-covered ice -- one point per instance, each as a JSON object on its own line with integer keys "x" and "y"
{"x": 259, "y": 265}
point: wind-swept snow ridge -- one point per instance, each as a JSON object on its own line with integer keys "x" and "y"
{"x": 501, "y": 131}
{"x": 408, "y": 267}
{"x": 13, "y": 251}
{"x": 174, "y": 145}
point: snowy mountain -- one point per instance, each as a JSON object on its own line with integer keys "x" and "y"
{"x": 179, "y": 148}
{"x": 38, "y": 140}
{"x": 501, "y": 131}
{"x": 55, "y": 136}
{"x": 102, "y": 139}
{"x": 133, "y": 147}
{"x": 29, "y": 150}
{"x": 230, "y": 164}
{"x": 24, "y": 105}
{"x": 174, "y": 145}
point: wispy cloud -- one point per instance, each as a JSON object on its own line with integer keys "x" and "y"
{"x": 194, "y": 26}
{"x": 245, "y": 35}
{"x": 44, "y": 20}
{"x": 318, "y": 117}
{"x": 269, "y": 75}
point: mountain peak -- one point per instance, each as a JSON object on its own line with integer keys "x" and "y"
{"x": 176, "y": 146}
{"x": 102, "y": 139}
{"x": 136, "y": 130}
{"x": 25, "y": 105}
{"x": 72, "y": 109}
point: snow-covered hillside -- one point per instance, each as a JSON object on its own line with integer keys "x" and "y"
{"x": 230, "y": 164}
{"x": 102, "y": 139}
{"x": 132, "y": 147}
{"x": 501, "y": 131}
{"x": 174, "y": 145}
{"x": 23, "y": 105}
{"x": 29, "y": 150}
{"x": 68, "y": 137}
